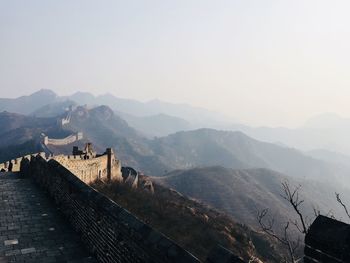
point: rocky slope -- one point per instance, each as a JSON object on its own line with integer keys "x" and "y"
{"x": 242, "y": 193}
{"x": 191, "y": 224}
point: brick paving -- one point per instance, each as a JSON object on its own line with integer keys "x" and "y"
{"x": 32, "y": 229}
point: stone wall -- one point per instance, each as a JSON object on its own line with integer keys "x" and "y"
{"x": 65, "y": 141}
{"x": 328, "y": 241}
{"x": 104, "y": 167}
{"x": 16, "y": 162}
{"x": 66, "y": 120}
{"x": 110, "y": 232}
{"x": 222, "y": 255}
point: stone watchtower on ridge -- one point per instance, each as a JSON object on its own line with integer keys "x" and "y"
{"x": 87, "y": 153}
{"x": 88, "y": 166}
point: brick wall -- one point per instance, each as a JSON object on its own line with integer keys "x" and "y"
{"x": 65, "y": 141}
{"x": 17, "y": 162}
{"x": 110, "y": 232}
{"x": 328, "y": 241}
{"x": 91, "y": 169}
{"x": 102, "y": 167}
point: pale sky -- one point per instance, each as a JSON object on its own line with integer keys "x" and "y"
{"x": 263, "y": 62}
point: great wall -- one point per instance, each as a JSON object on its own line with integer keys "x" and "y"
{"x": 65, "y": 141}
{"x": 106, "y": 230}
{"x": 109, "y": 232}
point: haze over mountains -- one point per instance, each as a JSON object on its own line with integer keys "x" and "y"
{"x": 323, "y": 132}
{"x": 211, "y": 107}
{"x": 242, "y": 193}
{"x": 156, "y": 118}
{"x": 188, "y": 149}
{"x": 128, "y": 124}
{"x": 37, "y": 102}
{"x": 226, "y": 169}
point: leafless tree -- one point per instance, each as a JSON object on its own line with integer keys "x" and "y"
{"x": 301, "y": 223}
{"x": 267, "y": 225}
{"x": 337, "y": 195}
{"x": 292, "y": 196}
{"x": 317, "y": 212}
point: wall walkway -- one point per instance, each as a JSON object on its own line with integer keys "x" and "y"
{"x": 32, "y": 229}
{"x": 110, "y": 232}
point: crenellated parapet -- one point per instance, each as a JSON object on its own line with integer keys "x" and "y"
{"x": 14, "y": 164}
{"x": 90, "y": 168}
{"x": 85, "y": 164}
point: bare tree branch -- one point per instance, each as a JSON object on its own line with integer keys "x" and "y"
{"x": 317, "y": 211}
{"x": 301, "y": 223}
{"x": 285, "y": 239}
{"x": 341, "y": 202}
{"x": 293, "y": 198}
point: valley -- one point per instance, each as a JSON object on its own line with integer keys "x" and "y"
{"x": 225, "y": 170}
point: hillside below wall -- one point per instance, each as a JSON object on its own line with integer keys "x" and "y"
{"x": 110, "y": 232}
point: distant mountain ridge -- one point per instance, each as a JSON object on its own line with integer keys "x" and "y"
{"x": 153, "y": 118}
{"x": 183, "y": 150}
{"x": 54, "y": 109}
{"x": 229, "y": 170}
{"x": 325, "y": 131}
{"x": 27, "y": 104}
{"x": 156, "y": 125}
{"x": 41, "y": 98}
{"x": 242, "y": 193}
{"x": 207, "y": 147}
{"x": 329, "y": 156}
{"x": 156, "y": 118}
{"x": 203, "y": 147}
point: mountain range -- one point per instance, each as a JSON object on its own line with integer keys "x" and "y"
{"x": 157, "y": 118}
{"x": 241, "y": 193}
{"x": 326, "y": 131}
{"x": 181, "y": 150}
{"x": 39, "y": 102}
{"x": 230, "y": 170}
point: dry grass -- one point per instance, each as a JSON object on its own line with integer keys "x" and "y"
{"x": 192, "y": 225}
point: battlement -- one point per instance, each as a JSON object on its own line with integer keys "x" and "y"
{"x": 101, "y": 167}
{"x": 14, "y": 165}
{"x": 87, "y": 166}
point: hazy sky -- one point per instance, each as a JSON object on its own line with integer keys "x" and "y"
{"x": 263, "y": 62}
